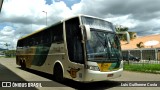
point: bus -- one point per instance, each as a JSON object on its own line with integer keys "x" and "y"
{"x": 81, "y": 48}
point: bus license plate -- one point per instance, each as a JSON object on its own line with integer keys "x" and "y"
{"x": 110, "y": 75}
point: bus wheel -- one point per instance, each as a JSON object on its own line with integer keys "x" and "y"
{"x": 58, "y": 73}
{"x": 23, "y": 64}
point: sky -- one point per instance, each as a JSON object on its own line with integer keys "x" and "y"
{"x": 21, "y": 17}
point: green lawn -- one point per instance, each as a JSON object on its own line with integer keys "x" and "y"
{"x": 7, "y": 57}
{"x": 149, "y": 68}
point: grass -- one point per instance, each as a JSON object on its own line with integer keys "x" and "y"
{"x": 1, "y": 56}
{"x": 148, "y": 68}
{"x": 6, "y": 57}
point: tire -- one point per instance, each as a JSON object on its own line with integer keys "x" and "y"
{"x": 23, "y": 64}
{"x": 58, "y": 73}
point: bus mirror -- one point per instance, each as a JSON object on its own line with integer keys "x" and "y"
{"x": 127, "y": 34}
{"x": 88, "y": 32}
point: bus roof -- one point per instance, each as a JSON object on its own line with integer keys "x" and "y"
{"x": 80, "y": 15}
{"x": 39, "y": 30}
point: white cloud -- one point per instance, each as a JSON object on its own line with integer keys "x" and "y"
{"x": 30, "y": 11}
{"x": 124, "y": 20}
{"x": 7, "y": 31}
{"x": 6, "y": 35}
{"x": 141, "y": 16}
{"x": 26, "y": 16}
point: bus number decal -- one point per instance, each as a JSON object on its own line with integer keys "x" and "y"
{"x": 104, "y": 67}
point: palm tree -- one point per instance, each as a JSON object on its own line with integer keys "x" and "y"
{"x": 140, "y": 45}
{"x": 7, "y": 45}
{"x": 120, "y": 28}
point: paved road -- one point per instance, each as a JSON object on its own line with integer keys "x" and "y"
{"x": 9, "y": 71}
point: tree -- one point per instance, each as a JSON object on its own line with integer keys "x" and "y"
{"x": 132, "y": 35}
{"x": 120, "y": 28}
{"x": 10, "y": 53}
{"x": 123, "y": 37}
{"x": 7, "y": 45}
{"x": 140, "y": 45}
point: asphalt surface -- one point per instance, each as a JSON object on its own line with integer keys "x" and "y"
{"x": 10, "y": 72}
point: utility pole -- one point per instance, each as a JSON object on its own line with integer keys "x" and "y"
{"x": 1, "y": 3}
{"x": 46, "y": 16}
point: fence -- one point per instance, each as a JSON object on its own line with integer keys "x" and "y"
{"x": 147, "y": 56}
{"x": 144, "y": 54}
{"x": 141, "y": 62}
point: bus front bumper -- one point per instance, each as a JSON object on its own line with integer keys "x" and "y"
{"x": 91, "y": 76}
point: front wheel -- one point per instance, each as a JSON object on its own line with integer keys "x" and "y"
{"x": 58, "y": 73}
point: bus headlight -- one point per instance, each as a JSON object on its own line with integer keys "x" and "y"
{"x": 95, "y": 68}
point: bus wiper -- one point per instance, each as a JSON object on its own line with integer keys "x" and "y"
{"x": 105, "y": 45}
{"x": 113, "y": 48}
{"x": 100, "y": 39}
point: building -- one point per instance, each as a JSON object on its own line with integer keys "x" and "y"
{"x": 141, "y": 40}
{"x": 145, "y": 52}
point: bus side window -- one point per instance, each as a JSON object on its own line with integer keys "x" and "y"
{"x": 58, "y": 39}
{"x": 57, "y": 33}
{"x": 46, "y": 36}
{"x": 20, "y": 44}
{"x": 74, "y": 37}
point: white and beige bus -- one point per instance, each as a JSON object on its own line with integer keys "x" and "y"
{"x": 82, "y": 48}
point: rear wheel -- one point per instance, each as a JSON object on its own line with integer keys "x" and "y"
{"x": 58, "y": 73}
{"x": 23, "y": 64}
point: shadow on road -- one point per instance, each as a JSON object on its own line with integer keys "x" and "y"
{"x": 92, "y": 85}
{"x": 7, "y": 75}
{"x": 78, "y": 85}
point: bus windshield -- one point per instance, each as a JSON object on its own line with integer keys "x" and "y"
{"x": 103, "y": 47}
{"x": 97, "y": 23}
